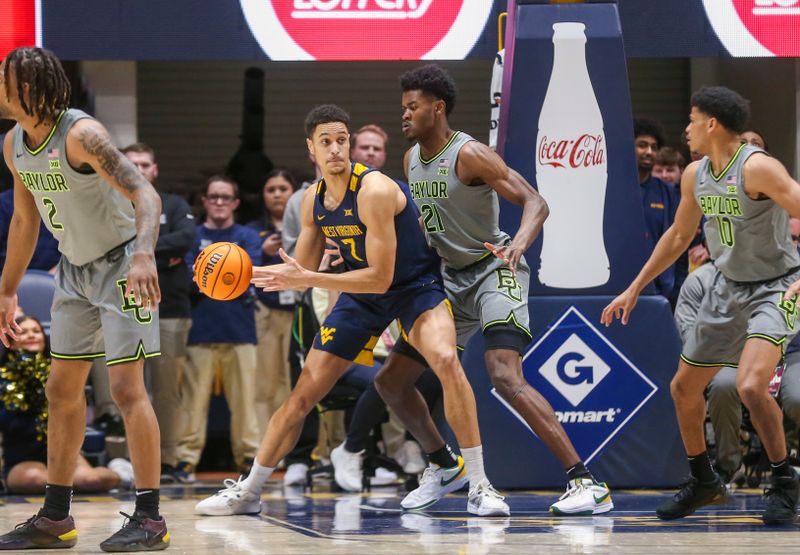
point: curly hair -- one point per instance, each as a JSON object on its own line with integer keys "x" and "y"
{"x": 325, "y": 113}
{"x": 433, "y": 80}
{"x": 48, "y": 85}
{"x": 729, "y": 107}
{"x": 644, "y": 126}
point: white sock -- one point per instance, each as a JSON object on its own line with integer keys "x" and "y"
{"x": 257, "y": 477}
{"x": 473, "y": 460}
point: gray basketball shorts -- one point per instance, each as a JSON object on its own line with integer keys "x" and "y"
{"x": 92, "y": 318}
{"x": 733, "y": 312}
{"x": 487, "y": 296}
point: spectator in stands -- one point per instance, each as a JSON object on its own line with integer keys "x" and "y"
{"x": 754, "y": 138}
{"x": 25, "y": 432}
{"x": 175, "y": 237}
{"x": 223, "y": 336}
{"x": 368, "y": 146}
{"x": 659, "y": 199}
{"x": 274, "y": 310}
{"x": 669, "y": 165}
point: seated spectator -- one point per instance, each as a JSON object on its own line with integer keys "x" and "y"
{"x": 274, "y": 310}
{"x": 23, "y": 422}
{"x": 669, "y": 165}
{"x": 659, "y": 199}
{"x": 754, "y": 138}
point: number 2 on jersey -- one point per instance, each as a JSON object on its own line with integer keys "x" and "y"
{"x": 51, "y": 212}
{"x": 431, "y": 218}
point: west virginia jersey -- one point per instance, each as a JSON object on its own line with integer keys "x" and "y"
{"x": 352, "y": 328}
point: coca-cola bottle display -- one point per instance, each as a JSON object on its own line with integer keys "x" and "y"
{"x": 571, "y": 169}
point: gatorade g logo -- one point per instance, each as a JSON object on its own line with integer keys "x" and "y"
{"x": 128, "y": 303}
{"x": 756, "y": 27}
{"x": 366, "y": 29}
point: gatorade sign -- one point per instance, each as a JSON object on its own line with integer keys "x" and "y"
{"x": 756, "y": 27}
{"x": 366, "y": 29}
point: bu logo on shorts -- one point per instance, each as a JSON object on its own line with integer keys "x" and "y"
{"x": 129, "y": 304}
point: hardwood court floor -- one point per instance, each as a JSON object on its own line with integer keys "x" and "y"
{"x": 324, "y": 522}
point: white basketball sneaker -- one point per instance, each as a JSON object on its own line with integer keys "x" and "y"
{"x": 348, "y": 468}
{"x": 483, "y": 500}
{"x": 235, "y": 499}
{"x": 583, "y": 497}
{"x": 436, "y": 482}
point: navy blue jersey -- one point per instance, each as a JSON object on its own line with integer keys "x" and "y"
{"x": 344, "y": 226}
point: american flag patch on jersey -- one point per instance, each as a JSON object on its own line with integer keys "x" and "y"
{"x": 444, "y": 163}
{"x": 53, "y": 153}
{"x": 730, "y": 180}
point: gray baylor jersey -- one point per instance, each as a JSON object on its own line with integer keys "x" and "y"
{"x": 457, "y": 218}
{"x": 749, "y": 240}
{"x": 86, "y": 214}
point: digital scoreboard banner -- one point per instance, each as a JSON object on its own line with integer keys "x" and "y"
{"x": 371, "y": 29}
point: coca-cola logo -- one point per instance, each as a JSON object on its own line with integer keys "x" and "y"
{"x": 17, "y": 25}
{"x": 756, "y": 27}
{"x": 585, "y": 151}
{"x": 366, "y": 29}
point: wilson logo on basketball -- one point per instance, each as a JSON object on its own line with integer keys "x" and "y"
{"x": 585, "y": 151}
{"x": 209, "y": 268}
{"x": 366, "y": 29}
{"x": 756, "y": 27}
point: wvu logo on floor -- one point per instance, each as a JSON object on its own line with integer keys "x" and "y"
{"x": 326, "y": 334}
{"x": 594, "y": 389}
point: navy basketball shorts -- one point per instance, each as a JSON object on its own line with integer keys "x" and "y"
{"x": 353, "y": 327}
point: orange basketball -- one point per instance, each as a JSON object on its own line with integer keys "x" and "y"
{"x": 223, "y": 271}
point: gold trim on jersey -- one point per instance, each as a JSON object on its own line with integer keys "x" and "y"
{"x": 49, "y": 136}
{"x": 728, "y": 167}
{"x": 441, "y": 150}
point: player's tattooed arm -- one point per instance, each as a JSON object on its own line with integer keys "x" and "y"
{"x": 88, "y": 142}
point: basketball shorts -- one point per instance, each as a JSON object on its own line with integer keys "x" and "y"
{"x": 353, "y": 327}
{"x": 733, "y": 312}
{"x": 487, "y": 296}
{"x": 92, "y": 318}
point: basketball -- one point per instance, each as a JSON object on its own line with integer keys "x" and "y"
{"x": 223, "y": 271}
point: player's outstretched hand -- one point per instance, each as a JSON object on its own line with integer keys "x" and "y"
{"x": 143, "y": 282}
{"x": 278, "y": 277}
{"x": 8, "y": 326}
{"x": 793, "y": 291}
{"x": 507, "y": 253}
{"x": 620, "y": 308}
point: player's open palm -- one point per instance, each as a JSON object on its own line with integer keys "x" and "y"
{"x": 143, "y": 282}
{"x": 278, "y": 277}
{"x": 620, "y": 308}
{"x": 8, "y": 326}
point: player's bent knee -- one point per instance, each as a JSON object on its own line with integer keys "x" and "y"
{"x": 752, "y": 392}
{"x": 507, "y": 384}
{"x": 445, "y": 363}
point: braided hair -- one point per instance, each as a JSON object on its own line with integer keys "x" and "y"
{"x": 41, "y": 70}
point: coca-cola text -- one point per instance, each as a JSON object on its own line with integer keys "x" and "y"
{"x": 588, "y": 150}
